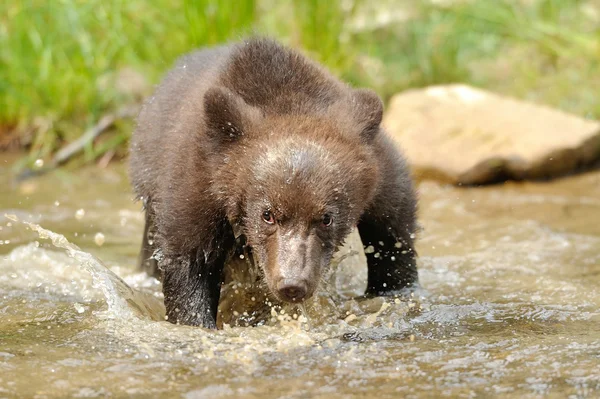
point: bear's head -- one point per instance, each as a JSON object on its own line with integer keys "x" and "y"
{"x": 294, "y": 184}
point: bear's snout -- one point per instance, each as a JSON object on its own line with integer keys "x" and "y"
{"x": 292, "y": 290}
{"x": 292, "y": 261}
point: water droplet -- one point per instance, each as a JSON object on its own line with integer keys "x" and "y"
{"x": 99, "y": 239}
{"x": 79, "y": 307}
{"x": 80, "y": 214}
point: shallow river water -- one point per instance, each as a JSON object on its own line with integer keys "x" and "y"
{"x": 510, "y": 305}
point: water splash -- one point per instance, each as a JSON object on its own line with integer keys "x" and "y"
{"x": 122, "y": 301}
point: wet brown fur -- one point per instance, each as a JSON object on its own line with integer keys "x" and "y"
{"x": 235, "y": 130}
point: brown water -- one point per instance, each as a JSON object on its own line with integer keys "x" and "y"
{"x": 511, "y": 306}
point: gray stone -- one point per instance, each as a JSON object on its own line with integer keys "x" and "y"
{"x": 465, "y": 135}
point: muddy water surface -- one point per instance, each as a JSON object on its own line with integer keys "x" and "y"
{"x": 510, "y": 306}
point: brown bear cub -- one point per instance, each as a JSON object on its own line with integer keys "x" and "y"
{"x": 252, "y": 144}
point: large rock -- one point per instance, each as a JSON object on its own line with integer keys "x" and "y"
{"x": 469, "y": 136}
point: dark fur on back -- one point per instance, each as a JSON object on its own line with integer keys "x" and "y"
{"x": 236, "y": 130}
{"x": 280, "y": 81}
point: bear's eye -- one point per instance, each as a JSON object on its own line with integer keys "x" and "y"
{"x": 327, "y": 220}
{"x": 268, "y": 217}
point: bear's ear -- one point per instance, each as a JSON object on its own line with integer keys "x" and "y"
{"x": 227, "y": 116}
{"x": 368, "y": 110}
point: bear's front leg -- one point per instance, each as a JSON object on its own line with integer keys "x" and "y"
{"x": 192, "y": 287}
{"x": 387, "y": 228}
{"x": 391, "y": 257}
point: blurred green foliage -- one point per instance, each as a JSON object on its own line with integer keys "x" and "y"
{"x": 65, "y": 63}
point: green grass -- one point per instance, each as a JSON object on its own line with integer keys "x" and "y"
{"x": 551, "y": 47}
{"x": 63, "y": 59}
{"x": 65, "y": 63}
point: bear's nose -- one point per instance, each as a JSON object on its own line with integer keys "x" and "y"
{"x": 292, "y": 290}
